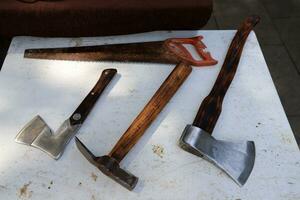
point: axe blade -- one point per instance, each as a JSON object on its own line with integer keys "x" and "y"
{"x": 235, "y": 158}
{"x": 37, "y": 133}
{"x": 31, "y": 130}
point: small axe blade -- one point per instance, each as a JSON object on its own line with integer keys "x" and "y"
{"x": 109, "y": 164}
{"x": 236, "y": 159}
{"x": 38, "y": 134}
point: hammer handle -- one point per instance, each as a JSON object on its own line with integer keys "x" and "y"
{"x": 211, "y": 106}
{"x": 89, "y": 101}
{"x": 150, "y": 111}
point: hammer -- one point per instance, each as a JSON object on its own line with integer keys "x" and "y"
{"x": 109, "y": 164}
{"x": 235, "y": 158}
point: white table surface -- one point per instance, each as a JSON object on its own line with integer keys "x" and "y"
{"x": 53, "y": 89}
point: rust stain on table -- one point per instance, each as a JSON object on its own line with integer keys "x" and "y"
{"x": 94, "y": 176}
{"x": 158, "y": 150}
{"x": 23, "y": 192}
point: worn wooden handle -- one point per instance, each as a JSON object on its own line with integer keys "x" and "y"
{"x": 211, "y": 106}
{"x": 150, "y": 111}
{"x": 87, "y": 104}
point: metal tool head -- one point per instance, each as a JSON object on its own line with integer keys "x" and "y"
{"x": 31, "y": 130}
{"x": 236, "y": 159}
{"x": 37, "y": 133}
{"x": 109, "y": 166}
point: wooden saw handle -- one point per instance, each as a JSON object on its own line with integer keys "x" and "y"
{"x": 89, "y": 101}
{"x": 150, "y": 111}
{"x": 211, "y": 106}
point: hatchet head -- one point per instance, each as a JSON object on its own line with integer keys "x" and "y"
{"x": 236, "y": 159}
{"x": 109, "y": 166}
{"x": 37, "y": 133}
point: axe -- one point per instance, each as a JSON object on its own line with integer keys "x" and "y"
{"x": 109, "y": 164}
{"x": 38, "y": 134}
{"x": 235, "y": 158}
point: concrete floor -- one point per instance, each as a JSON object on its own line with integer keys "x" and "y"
{"x": 278, "y": 34}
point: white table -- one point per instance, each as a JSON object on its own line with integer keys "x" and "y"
{"x": 53, "y": 89}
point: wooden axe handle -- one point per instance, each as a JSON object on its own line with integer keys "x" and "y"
{"x": 211, "y": 106}
{"x": 150, "y": 111}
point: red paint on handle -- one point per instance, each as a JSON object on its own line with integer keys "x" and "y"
{"x": 175, "y": 45}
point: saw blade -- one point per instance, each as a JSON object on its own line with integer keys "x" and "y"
{"x": 151, "y": 52}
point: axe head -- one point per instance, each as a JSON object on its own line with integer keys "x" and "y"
{"x": 37, "y": 133}
{"x": 236, "y": 159}
{"x": 31, "y": 130}
{"x": 109, "y": 166}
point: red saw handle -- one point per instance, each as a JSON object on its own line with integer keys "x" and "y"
{"x": 176, "y": 46}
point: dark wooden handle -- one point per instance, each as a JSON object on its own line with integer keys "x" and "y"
{"x": 211, "y": 106}
{"x": 150, "y": 111}
{"x": 87, "y": 104}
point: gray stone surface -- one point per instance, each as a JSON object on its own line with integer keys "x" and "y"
{"x": 230, "y": 13}
{"x": 211, "y": 24}
{"x": 295, "y": 124}
{"x": 294, "y": 51}
{"x": 282, "y": 8}
{"x": 289, "y": 30}
{"x": 285, "y": 77}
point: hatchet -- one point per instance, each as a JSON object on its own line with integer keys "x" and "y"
{"x": 235, "y": 158}
{"x": 38, "y": 134}
{"x": 110, "y": 164}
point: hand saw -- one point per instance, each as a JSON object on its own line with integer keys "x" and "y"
{"x": 173, "y": 51}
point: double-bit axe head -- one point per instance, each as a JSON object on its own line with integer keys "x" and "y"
{"x": 109, "y": 166}
{"x": 38, "y": 134}
{"x": 235, "y": 158}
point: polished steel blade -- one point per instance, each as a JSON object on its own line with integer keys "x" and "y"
{"x": 38, "y": 134}
{"x": 31, "y": 130}
{"x": 54, "y": 144}
{"x": 235, "y": 158}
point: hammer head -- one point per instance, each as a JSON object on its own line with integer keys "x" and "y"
{"x": 236, "y": 159}
{"x": 109, "y": 166}
{"x": 37, "y": 133}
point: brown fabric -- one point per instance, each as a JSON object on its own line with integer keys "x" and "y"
{"x": 100, "y": 17}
